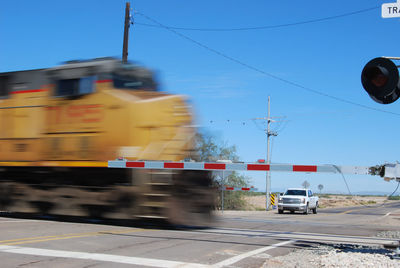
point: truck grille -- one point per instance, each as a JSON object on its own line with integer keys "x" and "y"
{"x": 291, "y": 200}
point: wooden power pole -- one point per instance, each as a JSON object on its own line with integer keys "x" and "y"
{"x": 126, "y": 32}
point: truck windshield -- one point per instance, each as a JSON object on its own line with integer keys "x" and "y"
{"x": 296, "y": 192}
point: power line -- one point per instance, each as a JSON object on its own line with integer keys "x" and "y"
{"x": 281, "y": 123}
{"x": 258, "y": 126}
{"x": 305, "y": 88}
{"x": 267, "y": 26}
{"x": 241, "y": 121}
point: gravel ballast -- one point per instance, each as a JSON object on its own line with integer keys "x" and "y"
{"x": 336, "y": 256}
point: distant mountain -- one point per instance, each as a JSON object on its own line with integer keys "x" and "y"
{"x": 278, "y": 190}
{"x": 377, "y": 193}
{"x": 373, "y": 193}
{"x": 382, "y": 193}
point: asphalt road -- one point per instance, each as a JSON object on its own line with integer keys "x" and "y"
{"x": 239, "y": 239}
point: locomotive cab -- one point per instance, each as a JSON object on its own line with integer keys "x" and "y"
{"x": 77, "y": 78}
{"x": 107, "y": 109}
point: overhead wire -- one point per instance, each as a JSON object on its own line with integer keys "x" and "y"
{"x": 280, "y": 124}
{"x": 266, "y": 26}
{"x": 261, "y": 128}
{"x": 240, "y": 121}
{"x": 248, "y": 66}
{"x": 284, "y": 125}
{"x": 172, "y": 29}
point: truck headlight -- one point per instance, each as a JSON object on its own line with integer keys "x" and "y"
{"x": 303, "y": 200}
{"x": 280, "y": 199}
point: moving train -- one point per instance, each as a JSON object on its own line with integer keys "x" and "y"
{"x": 60, "y": 126}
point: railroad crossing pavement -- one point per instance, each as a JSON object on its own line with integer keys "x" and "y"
{"x": 34, "y": 243}
{"x": 360, "y": 220}
{"x": 240, "y": 239}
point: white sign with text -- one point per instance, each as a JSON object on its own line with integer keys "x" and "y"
{"x": 391, "y": 10}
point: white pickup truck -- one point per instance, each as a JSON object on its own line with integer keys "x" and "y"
{"x": 298, "y": 199}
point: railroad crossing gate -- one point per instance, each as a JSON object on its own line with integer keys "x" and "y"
{"x": 387, "y": 171}
{"x": 231, "y": 188}
{"x": 391, "y": 171}
{"x": 243, "y": 189}
{"x": 240, "y": 167}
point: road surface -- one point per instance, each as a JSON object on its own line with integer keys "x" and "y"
{"x": 239, "y": 239}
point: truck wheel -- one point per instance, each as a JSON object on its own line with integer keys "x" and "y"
{"x": 315, "y": 209}
{"x": 280, "y": 211}
{"x": 306, "y": 210}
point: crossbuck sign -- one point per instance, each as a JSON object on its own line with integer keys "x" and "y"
{"x": 391, "y": 10}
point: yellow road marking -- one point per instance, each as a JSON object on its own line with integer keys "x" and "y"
{"x": 340, "y": 213}
{"x": 348, "y": 211}
{"x": 57, "y": 163}
{"x": 38, "y": 237}
{"x": 356, "y": 209}
{"x": 29, "y": 240}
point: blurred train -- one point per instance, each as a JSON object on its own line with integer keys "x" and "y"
{"x": 60, "y": 126}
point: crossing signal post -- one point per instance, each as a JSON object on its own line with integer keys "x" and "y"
{"x": 380, "y": 78}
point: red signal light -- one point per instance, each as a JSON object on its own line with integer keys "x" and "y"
{"x": 380, "y": 78}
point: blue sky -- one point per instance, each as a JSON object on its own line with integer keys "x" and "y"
{"x": 326, "y": 56}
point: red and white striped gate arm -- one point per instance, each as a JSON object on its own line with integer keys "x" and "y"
{"x": 245, "y": 189}
{"x": 239, "y": 167}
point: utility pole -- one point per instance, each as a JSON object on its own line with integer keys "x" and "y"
{"x": 268, "y": 178}
{"x": 126, "y": 32}
{"x": 269, "y": 134}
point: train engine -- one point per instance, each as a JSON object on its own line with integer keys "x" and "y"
{"x": 60, "y": 126}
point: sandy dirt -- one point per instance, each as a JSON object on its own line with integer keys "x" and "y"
{"x": 326, "y": 201}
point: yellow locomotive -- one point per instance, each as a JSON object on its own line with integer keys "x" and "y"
{"x": 59, "y": 126}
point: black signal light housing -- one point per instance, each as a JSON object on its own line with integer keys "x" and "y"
{"x": 380, "y": 78}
